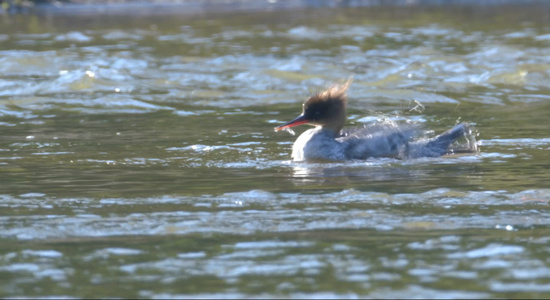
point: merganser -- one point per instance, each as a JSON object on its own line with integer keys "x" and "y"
{"x": 326, "y": 111}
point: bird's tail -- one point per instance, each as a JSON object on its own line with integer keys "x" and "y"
{"x": 441, "y": 144}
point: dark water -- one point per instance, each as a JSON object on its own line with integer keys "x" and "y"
{"x": 138, "y": 158}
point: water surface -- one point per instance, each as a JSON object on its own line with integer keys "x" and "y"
{"x": 138, "y": 158}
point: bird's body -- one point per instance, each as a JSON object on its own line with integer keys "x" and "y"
{"x": 328, "y": 141}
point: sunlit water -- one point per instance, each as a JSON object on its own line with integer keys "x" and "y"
{"x": 138, "y": 158}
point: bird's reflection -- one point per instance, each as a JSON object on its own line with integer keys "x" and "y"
{"x": 383, "y": 172}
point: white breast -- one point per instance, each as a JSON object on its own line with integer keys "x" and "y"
{"x": 317, "y": 143}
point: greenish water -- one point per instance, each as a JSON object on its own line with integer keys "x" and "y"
{"x": 138, "y": 158}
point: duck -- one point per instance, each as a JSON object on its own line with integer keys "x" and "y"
{"x": 330, "y": 141}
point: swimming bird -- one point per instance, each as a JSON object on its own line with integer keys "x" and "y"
{"x": 328, "y": 141}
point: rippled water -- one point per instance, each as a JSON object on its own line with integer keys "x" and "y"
{"x": 138, "y": 158}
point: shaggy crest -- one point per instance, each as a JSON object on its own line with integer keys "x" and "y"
{"x": 335, "y": 91}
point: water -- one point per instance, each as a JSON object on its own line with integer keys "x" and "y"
{"x": 138, "y": 158}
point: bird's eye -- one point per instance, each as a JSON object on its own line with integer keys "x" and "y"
{"x": 316, "y": 114}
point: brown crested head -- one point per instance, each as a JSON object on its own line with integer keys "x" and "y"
{"x": 328, "y": 106}
{"x": 326, "y": 109}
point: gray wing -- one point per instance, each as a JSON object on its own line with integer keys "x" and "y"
{"x": 378, "y": 140}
